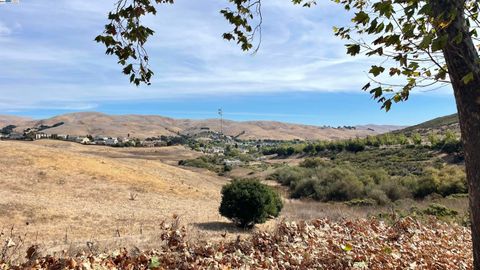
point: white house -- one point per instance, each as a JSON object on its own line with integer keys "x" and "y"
{"x": 233, "y": 162}
{"x": 111, "y": 141}
{"x": 41, "y": 135}
{"x": 83, "y": 140}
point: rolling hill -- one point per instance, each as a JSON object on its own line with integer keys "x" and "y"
{"x": 152, "y": 125}
{"x": 437, "y": 125}
{"x": 12, "y": 120}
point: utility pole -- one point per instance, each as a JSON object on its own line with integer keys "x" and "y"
{"x": 220, "y": 113}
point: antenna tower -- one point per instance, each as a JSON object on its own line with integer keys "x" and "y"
{"x": 220, "y": 113}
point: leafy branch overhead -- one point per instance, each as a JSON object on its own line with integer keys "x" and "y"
{"x": 405, "y": 34}
{"x": 409, "y": 38}
{"x": 125, "y": 37}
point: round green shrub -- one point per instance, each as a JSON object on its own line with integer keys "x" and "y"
{"x": 378, "y": 196}
{"x": 312, "y": 163}
{"x": 248, "y": 202}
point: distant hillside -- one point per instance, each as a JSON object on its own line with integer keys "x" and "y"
{"x": 152, "y": 125}
{"x": 12, "y": 120}
{"x": 436, "y": 123}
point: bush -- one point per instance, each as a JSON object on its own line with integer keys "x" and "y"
{"x": 249, "y": 202}
{"x": 289, "y": 176}
{"x": 305, "y": 189}
{"x": 203, "y": 162}
{"x": 395, "y": 190}
{"x": 451, "y": 147}
{"x": 361, "y": 202}
{"x": 337, "y": 184}
{"x": 312, "y": 163}
{"x": 439, "y": 210}
{"x": 378, "y": 196}
{"x": 355, "y": 146}
{"x": 452, "y": 180}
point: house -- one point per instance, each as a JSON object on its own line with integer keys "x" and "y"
{"x": 233, "y": 162}
{"x": 123, "y": 140}
{"x": 111, "y": 141}
{"x": 41, "y": 135}
{"x": 148, "y": 143}
{"x": 83, "y": 140}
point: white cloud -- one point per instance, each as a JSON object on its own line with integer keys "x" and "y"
{"x": 52, "y": 62}
{"x": 4, "y": 30}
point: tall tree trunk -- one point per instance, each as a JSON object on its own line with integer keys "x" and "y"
{"x": 462, "y": 59}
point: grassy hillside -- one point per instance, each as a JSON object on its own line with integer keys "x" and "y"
{"x": 66, "y": 190}
{"x": 434, "y": 123}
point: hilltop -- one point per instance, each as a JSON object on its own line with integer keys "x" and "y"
{"x": 143, "y": 126}
{"x": 12, "y": 120}
{"x": 439, "y": 124}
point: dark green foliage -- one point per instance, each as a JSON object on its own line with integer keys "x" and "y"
{"x": 383, "y": 175}
{"x": 439, "y": 210}
{"x": 289, "y": 176}
{"x": 361, "y": 202}
{"x": 378, "y": 196}
{"x": 312, "y": 163}
{"x": 355, "y": 146}
{"x": 249, "y": 202}
{"x": 227, "y": 168}
{"x": 8, "y": 129}
{"x": 426, "y": 185}
{"x": 394, "y": 190}
{"x": 450, "y": 147}
{"x": 206, "y": 162}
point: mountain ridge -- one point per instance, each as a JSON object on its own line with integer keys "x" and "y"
{"x": 142, "y": 126}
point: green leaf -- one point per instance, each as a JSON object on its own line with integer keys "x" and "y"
{"x": 361, "y": 18}
{"x": 376, "y": 70}
{"x": 426, "y": 41}
{"x": 154, "y": 263}
{"x": 347, "y": 247}
{"x": 439, "y": 43}
{"x": 353, "y": 49}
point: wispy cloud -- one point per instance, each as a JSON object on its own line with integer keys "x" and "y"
{"x": 52, "y": 62}
{"x": 4, "y": 30}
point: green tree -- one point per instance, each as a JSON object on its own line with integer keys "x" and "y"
{"x": 423, "y": 42}
{"x": 248, "y": 202}
{"x": 417, "y": 138}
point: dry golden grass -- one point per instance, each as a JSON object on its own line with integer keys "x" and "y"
{"x": 61, "y": 192}
{"x": 151, "y": 125}
{"x": 64, "y": 195}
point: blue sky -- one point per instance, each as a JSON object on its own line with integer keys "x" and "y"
{"x": 50, "y": 65}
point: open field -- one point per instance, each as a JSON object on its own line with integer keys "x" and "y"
{"x": 61, "y": 192}
{"x": 64, "y": 195}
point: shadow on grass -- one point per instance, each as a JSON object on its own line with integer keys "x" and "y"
{"x": 220, "y": 226}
